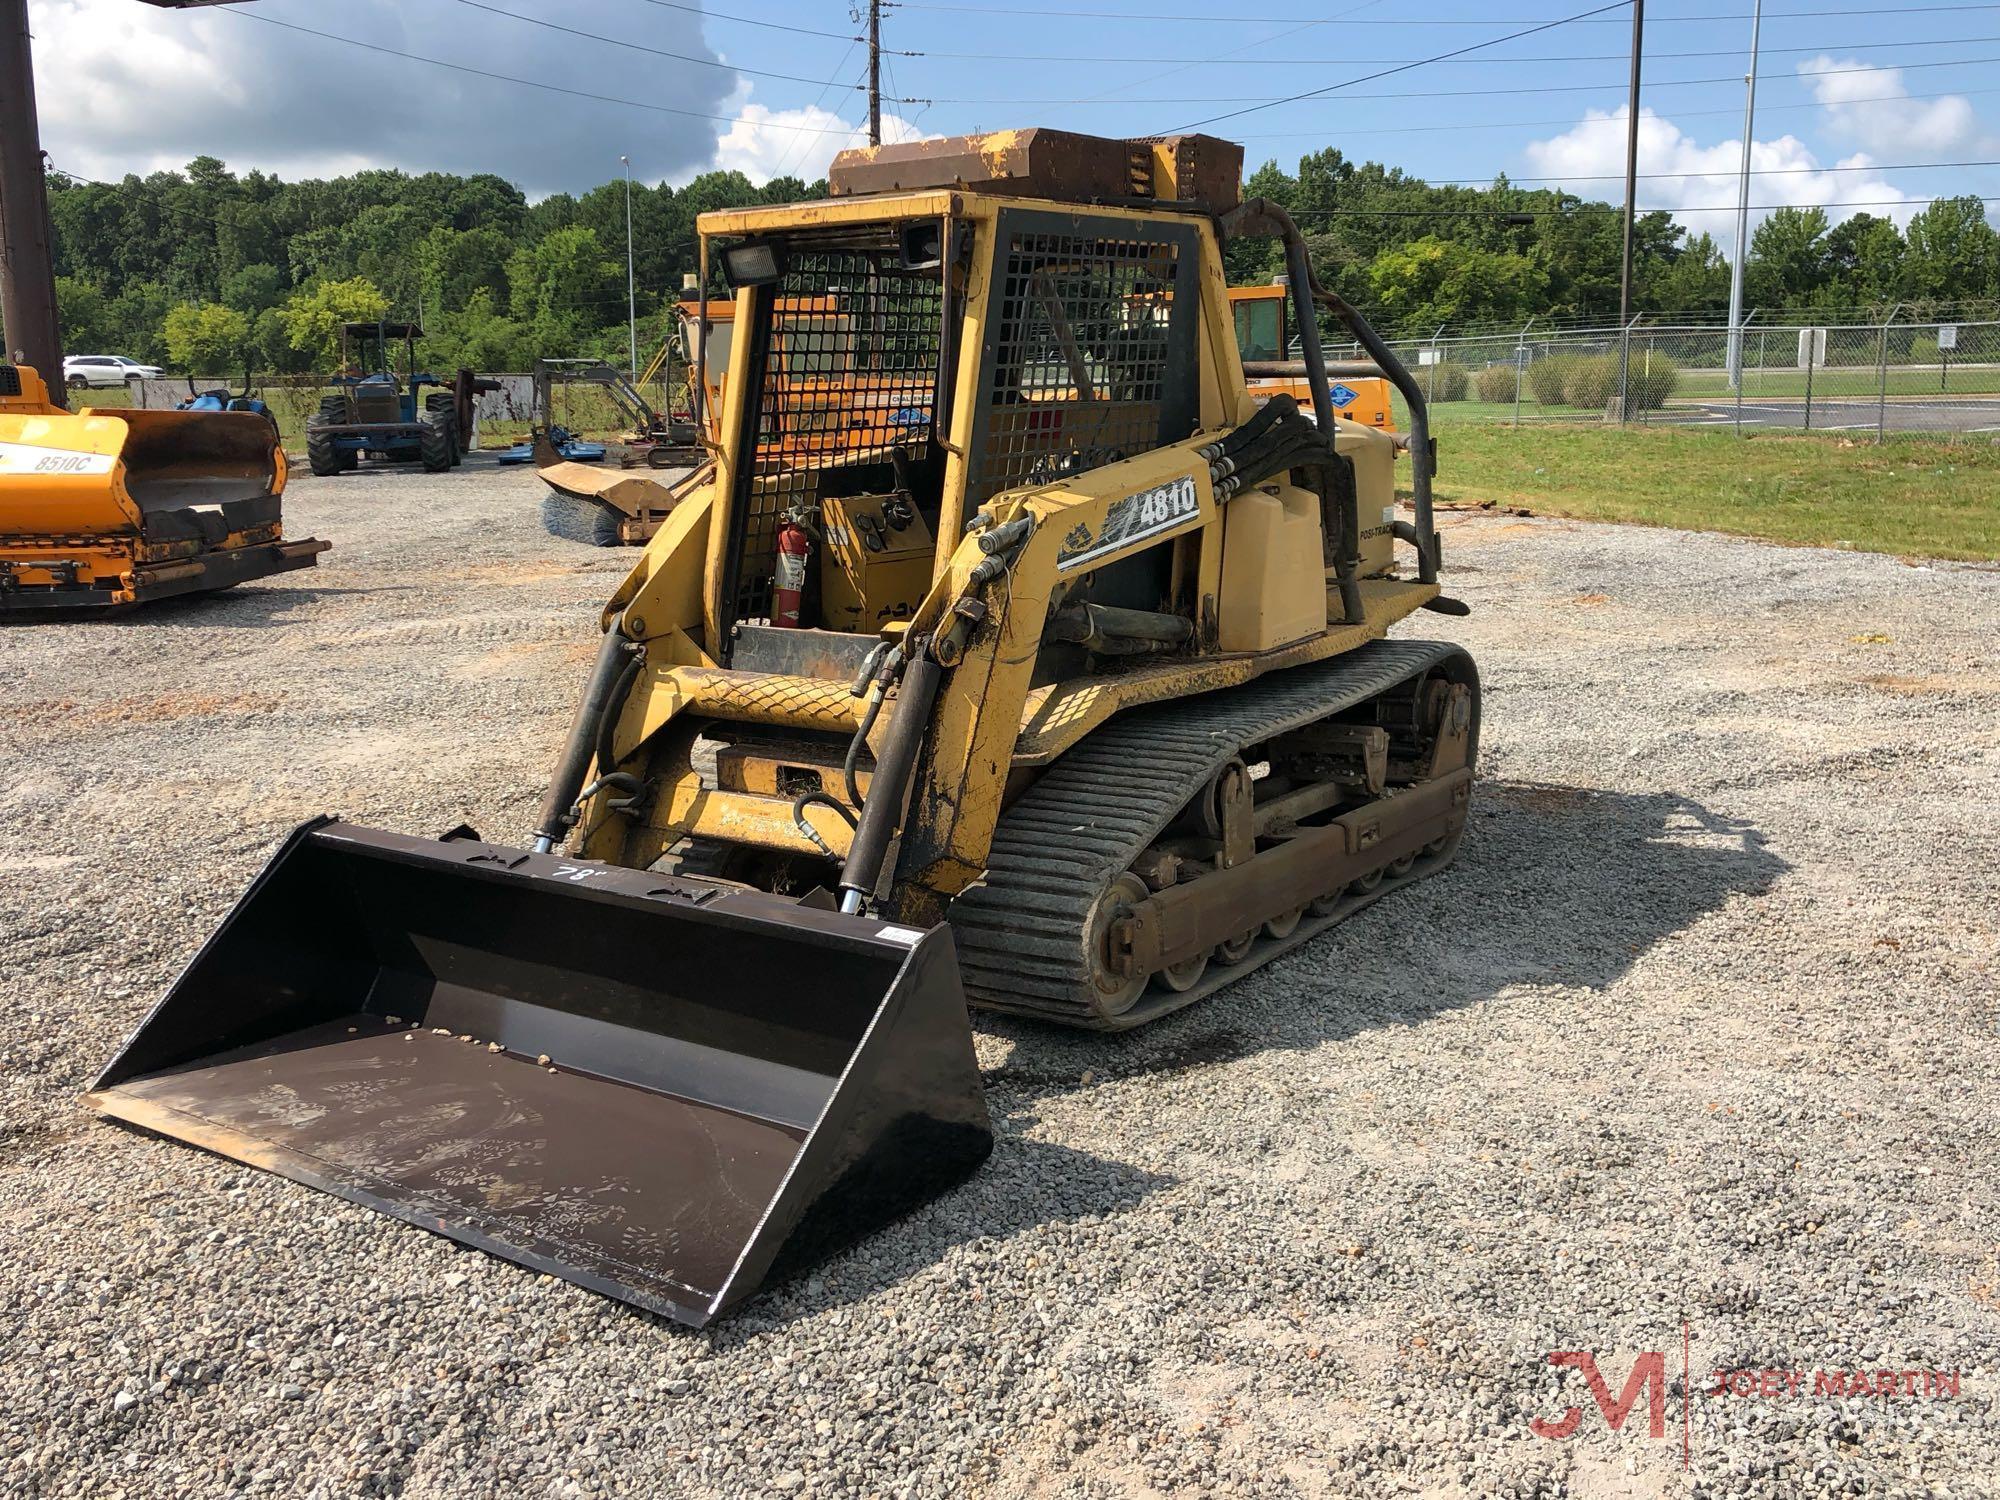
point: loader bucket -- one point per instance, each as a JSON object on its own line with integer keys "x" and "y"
{"x": 666, "y": 1089}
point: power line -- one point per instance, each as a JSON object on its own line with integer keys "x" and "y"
{"x": 1576, "y": 124}
{"x": 553, "y": 88}
{"x": 1567, "y": 57}
{"x": 713, "y": 15}
{"x": 796, "y": 149}
{"x": 1214, "y": 19}
{"x": 1579, "y": 209}
{"x": 623, "y": 45}
{"x": 1460, "y": 93}
{"x": 1441, "y": 57}
{"x": 1481, "y": 182}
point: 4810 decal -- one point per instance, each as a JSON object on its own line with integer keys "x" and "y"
{"x": 1149, "y": 513}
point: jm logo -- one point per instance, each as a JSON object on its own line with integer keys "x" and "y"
{"x": 1649, "y": 1373}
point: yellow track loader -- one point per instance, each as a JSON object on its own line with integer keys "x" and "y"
{"x": 101, "y": 510}
{"x": 1017, "y": 657}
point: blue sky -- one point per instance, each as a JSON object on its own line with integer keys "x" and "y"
{"x": 1849, "y": 95}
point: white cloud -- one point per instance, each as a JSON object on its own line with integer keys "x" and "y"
{"x": 1870, "y": 106}
{"x": 765, "y": 143}
{"x": 1698, "y": 184}
{"x": 123, "y": 87}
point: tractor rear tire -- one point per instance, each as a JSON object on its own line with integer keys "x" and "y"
{"x": 434, "y": 445}
{"x": 321, "y": 456}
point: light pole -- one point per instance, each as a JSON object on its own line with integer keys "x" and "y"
{"x": 631, "y": 296}
{"x": 1743, "y": 207}
{"x": 1631, "y": 197}
{"x": 27, "y": 268}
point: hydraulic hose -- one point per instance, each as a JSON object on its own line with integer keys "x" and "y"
{"x": 821, "y": 799}
{"x": 1260, "y": 216}
{"x": 614, "y": 705}
{"x": 1239, "y": 437}
{"x": 851, "y": 764}
{"x": 610, "y": 669}
{"x": 891, "y": 784}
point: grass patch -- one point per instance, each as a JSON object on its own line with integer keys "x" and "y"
{"x": 1919, "y": 496}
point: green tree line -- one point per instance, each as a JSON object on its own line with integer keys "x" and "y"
{"x": 209, "y": 271}
{"x": 1415, "y": 256}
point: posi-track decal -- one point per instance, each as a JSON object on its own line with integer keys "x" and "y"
{"x": 1149, "y": 513}
{"x": 29, "y": 458}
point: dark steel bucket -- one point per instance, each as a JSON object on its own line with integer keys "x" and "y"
{"x": 665, "y": 1089}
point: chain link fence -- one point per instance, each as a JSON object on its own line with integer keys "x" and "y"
{"x": 504, "y": 415}
{"x": 1863, "y": 379}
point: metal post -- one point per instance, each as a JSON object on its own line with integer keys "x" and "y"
{"x": 1735, "y": 359}
{"x": 1624, "y": 368}
{"x": 631, "y": 295}
{"x": 874, "y": 72}
{"x": 1882, "y": 373}
{"x": 1812, "y": 350}
{"x": 1631, "y": 191}
{"x": 29, "y": 333}
{"x": 1520, "y": 366}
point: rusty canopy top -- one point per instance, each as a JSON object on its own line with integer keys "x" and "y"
{"x": 1198, "y": 170}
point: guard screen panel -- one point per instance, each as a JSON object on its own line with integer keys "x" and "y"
{"x": 1092, "y": 357}
{"x": 845, "y": 368}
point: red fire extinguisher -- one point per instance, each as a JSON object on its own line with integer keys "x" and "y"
{"x": 795, "y": 541}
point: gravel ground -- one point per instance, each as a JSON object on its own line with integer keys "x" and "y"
{"x": 1699, "y": 1032}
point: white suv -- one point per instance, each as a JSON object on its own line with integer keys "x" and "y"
{"x": 81, "y": 370}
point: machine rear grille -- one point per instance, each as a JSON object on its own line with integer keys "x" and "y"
{"x": 10, "y": 381}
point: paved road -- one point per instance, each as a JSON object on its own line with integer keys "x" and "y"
{"x": 1847, "y": 414}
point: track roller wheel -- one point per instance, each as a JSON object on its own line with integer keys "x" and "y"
{"x": 1236, "y": 949}
{"x": 1361, "y": 885}
{"x": 1113, "y": 993}
{"x": 1323, "y": 906}
{"x": 1183, "y": 976}
{"x": 1284, "y": 924}
{"x": 1398, "y": 868}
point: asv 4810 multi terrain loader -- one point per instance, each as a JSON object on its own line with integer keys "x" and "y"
{"x": 1014, "y": 656}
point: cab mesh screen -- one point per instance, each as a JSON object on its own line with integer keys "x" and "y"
{"x": 846, "y": 379}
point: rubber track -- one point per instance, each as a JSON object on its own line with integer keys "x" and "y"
{"x": 1020, "y": 931}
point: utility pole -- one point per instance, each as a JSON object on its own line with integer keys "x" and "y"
{"x": 1742, "y": 256}
{"x": 27, "y": 262}
{"x": 631, "y": 296}
{"x": 1631, "y": 190}
{"x": 874, "y": 72}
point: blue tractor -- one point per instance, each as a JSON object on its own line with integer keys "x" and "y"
{"x": 227, "y": 400}
{"x": 371, "y": 410}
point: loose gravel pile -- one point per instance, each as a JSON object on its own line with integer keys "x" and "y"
{"x": 1699, "y": 1031}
